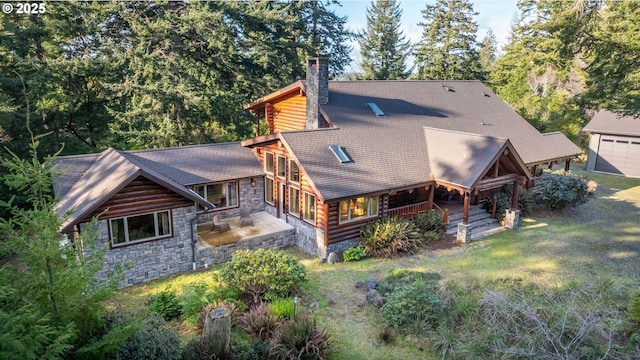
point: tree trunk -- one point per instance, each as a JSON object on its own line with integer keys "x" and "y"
{"x": 216, "y": 334}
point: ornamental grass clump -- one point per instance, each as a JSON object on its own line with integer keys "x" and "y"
{"x": 388, "y": 237}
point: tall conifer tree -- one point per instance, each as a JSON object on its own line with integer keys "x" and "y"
{"x": 448, "y": 49}
{"x": 383, "y": 47}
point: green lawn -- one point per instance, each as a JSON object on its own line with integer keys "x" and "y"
{"x": 598, "y": 240}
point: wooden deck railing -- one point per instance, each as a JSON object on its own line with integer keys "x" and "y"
{"x": 409, "y": 211}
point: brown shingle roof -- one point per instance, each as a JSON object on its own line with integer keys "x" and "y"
{"x": 427, "y": 129}
{"x": 90, "y": 180}
{"x": 609, "y": 122}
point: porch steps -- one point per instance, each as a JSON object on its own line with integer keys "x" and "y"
{"x": 482, "y": 224}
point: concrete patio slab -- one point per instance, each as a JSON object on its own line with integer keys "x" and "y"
{"x": 263, "y": 224}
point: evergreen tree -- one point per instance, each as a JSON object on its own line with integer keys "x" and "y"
{"x": 488, "y": 54}
{"x": 448, "y": 49}
{"x": 540, "y": 72}
{"x": 383, "y": 48}
{"x": 613, "y": 54}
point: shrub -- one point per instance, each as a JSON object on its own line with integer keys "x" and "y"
{"x": 402, "y": 277}
{"x": 561, "y": 189}
{"x": 354, "y": 254}
{"x": 411, "y": 306}
{"x": 259, "y": 322}
{"x": 300, "y": 339}
{"x": 386, "y": 336}
{"x": 256, "y": 350}
{"x": 283, "y": 308}
{"x": 194, "y": 298}
{"x": 261, "y": 273}
{"x": 431, "y": 224}
{"x": 526, "y": 201}
{"x": 388, "y": 237}
{"x": 166, "y": 305}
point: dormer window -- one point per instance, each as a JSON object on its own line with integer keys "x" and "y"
{"x": 376, "y": 109}
{"x": 341, "y": 154}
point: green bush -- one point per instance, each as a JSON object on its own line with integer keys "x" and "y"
{"x": 411, "y": 306}
{"x": 194, "y": 298}
{"x": 388, "y": 237}
{"x": 300, "y": 338}
{"x": 430, "y": 224}
{"x": 283, "y": 308}
{"x": 263, "y": 273}
{"x": 401, "y": 277}
{"x": 256, "y": 350}
{"x": 125, "y": 336}
{"x": 560, "y": 189}
{"x": 354, "y": 254}
{"x": 526, "y": 201}
{"x": 166, "y": 305}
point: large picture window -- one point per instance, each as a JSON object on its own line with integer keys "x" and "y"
{"x": 139, "y": 228}
{"x": 358, "y": 208}
{"x": 222, "y": 194}
{"x": 294, "y": 201}
{"x": 309, "y": 207}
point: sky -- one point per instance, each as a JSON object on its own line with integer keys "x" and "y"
{"x": 496, "y": 15}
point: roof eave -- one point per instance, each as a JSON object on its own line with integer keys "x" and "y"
{"x": 289, "y": 89}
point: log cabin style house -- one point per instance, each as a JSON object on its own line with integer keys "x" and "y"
{"x": 336, "y": 155}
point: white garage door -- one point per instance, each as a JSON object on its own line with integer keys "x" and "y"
{"x": 619, "y": 155}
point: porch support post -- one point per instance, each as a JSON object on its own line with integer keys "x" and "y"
{"x": 514, "y": 198}
{"x": 567, "y": 164}
{"x": 465, "y": 214}
{"x": 431, "y": 193}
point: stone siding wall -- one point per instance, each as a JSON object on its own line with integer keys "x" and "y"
{"x": 207, "y": 255}
{"x": 308, "y": 238}
{"x": 152, "y": 259}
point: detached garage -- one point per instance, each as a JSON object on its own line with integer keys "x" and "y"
{"x": 614, "y": 144}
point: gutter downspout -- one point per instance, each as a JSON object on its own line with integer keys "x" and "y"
{"x": 194, "y": 240}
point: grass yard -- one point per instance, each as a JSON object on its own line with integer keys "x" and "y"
{"x": 595, "y": 241}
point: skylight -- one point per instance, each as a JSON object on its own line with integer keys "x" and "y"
{"x": 340, "y": 153}
{"x": 376, "y": 109}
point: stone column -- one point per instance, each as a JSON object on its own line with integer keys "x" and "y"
{"x": 511, "y": 219}
{"x": 464, "y": 233}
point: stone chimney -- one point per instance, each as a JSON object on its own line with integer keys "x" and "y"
{"x": 317, "y": 89}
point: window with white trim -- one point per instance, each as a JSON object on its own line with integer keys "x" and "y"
{"x": 358, "y": 208}
{"x": 268, "y": 162}
{"x": 268, "y": 190}
{"x": 294, "y": 172}
{"x": 309, "y": 207}
{"x": 138, "y": 228}
{"x": 221, "y": 194}
{"x": 281, "y": 168}
{"x": 294, "y": 201}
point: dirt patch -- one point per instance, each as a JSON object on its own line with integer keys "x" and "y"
{"x": 446, "y": 243}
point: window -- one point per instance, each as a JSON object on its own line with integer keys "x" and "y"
{"x": 281, "y": 166}
{"x": 376, "y": 109}
{"x": 358, "y": 208}
{"x": 268, "y": 190}
{"x": 294, "y": 201}
{"x": 340, "y": 153}
{"x": 268, "y": 162}
{"x": 309, "y": 207}
{"x": 294, "y": 172}
{"x": 222, "y": 194}
{"x": 138, "y": 228}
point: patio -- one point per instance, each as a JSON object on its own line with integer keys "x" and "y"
{"x": 263, "y": 224}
